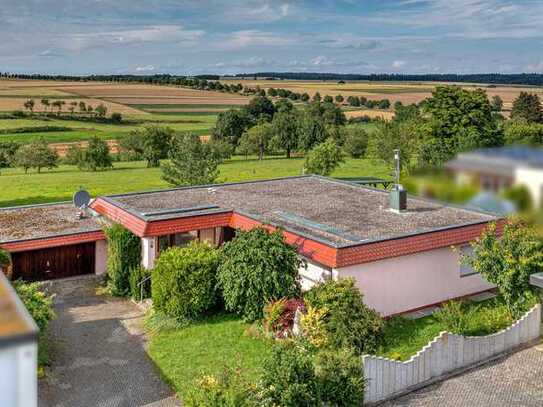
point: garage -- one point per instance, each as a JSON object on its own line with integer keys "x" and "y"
{"x": 54, "y": 263}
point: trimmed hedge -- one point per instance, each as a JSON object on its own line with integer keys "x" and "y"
{"x": 184, "y": 281}
{"x": 124, "y": 254}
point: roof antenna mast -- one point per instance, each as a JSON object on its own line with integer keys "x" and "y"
{"x": 397, "y": 168}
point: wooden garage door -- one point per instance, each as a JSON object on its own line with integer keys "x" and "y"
{"x": 57, "y": 262}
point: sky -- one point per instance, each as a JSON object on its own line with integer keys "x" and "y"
{"x": 236, "y": 36}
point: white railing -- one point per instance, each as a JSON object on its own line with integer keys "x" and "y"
{"x": 447, "y": 353}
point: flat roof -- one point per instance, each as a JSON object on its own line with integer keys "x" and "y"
{"x": 340, "y": 213}
{"x": 16, "y": 324}
{"x": 43, "y": 221}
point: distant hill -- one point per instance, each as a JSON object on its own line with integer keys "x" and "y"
{"x": 533, "y": 79}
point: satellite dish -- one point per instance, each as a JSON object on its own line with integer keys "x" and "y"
{"x": 81, "y": 199}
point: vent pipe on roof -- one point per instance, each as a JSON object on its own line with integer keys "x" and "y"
{"x": 398, "y": 195}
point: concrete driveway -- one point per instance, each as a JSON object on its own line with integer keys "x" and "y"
{"x": 515, "y": 380}
{"x": 97, "y": 353}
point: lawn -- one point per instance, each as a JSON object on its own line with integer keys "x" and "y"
{"x": 182, "y": 355}
{"x": 60, "y": 183}
{"x": 404, "y": 337}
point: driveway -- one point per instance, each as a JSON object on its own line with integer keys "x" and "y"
{"x": 97, "y": 352}
{"x": 515, "y": 380}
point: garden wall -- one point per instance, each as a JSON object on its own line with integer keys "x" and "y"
{"x": 447, "y": 353}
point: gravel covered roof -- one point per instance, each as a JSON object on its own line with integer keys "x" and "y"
{"x": 41, "y": 221}
{"x": 337, "y": 212}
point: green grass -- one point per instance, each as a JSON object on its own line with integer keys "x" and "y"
{"x": 200, "y": 124}
{"x": 59, "y": 183}
{"x": 405, "y": 337}
{"x": 182, "y": 355}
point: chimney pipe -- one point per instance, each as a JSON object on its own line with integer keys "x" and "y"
{"x": 398, "y": 195}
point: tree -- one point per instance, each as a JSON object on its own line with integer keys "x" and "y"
{"x": 339, "y": 99}
{"x": 324, "y": 158}
{"x": 356, "y": 141}
{"x": 311, "y": 129}
{"x": 116, "y": 118}
{"x": 101, "y": 110}
{"x": 305, "y": 97}
{"x": 256, "y": 139}
{"x": 45, "y": 104}
{"x": 508, "y": 262}
{"x": 328, "y": 99}
{"x": 384, "y": 104}
{"x": 527, "y": 106}
{"x": 522, "y": 132}
{"x": 96, "y": 156}
{"x": 29, "y": 105}
{"x": 317, "y": 97}
{"x": 72, "y": 107}
{"x": 353, "y": 101}
{"x": 82, "y": 107}
{"x": 35, "y": 155}
{"x": 496, "y": 103}
{"x": 230, "y": 125}
{"x": 258, "y": 266}
{"x": 7, "y": 153}
{"x": 260, "y": 107}
{"x": 458, "y": 120}
{"x": 285, "y": 131}
{"x": 151, "y": 142}
{"x": 191, "y": 162}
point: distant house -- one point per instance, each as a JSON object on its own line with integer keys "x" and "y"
{"x": 402, "y": 259}
{"x": 18, "y": 351}
{"x": 495, "y": 169}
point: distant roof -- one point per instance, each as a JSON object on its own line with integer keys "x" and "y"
{"x": 42, "y": 221}
{"x": 338, "y": 212}
{"x": 499, "y": 160}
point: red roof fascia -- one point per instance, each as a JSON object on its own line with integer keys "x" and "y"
{"x": 119, "y": 215}
{"x": 164, "y": 227}
{"x": 411, "y": 244}
{"x": 35, "y": 244}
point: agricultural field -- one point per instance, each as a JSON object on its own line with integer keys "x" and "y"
{"x": 405, "y": 92}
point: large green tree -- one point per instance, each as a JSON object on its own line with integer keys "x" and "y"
{"x": 96, "y": 156}
{"x": 458, "y": 120}
{"x": 191, "y": 162}
{"x": 256, "y": 139}
{"x": 285, "y": 131}
{"x": 151, "y": 142}
{"x": 231, "y": 125}
{"x": 324, "y": 158}
{"x": 527, "y": 106}
{"x": 522, "y": 132}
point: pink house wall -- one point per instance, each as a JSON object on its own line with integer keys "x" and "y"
{"x": 405, "y": 283}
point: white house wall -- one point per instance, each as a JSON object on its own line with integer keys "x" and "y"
{"x": 100, "y": 261}
{"x": 18, "y": 377}
{"x": 531, "y": 178}
{"x": 400, "y": 284}
{"x": 313, "y": 274}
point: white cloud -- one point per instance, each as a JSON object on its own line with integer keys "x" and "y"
{"x": 322, "y": 60}
{"x": 398, "y": 64}
{"x": 248, "y": 38}
{"x": 145, "y": 68}
{"x": 537, "y": 67}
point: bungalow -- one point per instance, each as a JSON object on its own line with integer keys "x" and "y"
{"x": 498, "y": 168}
{"x": 398, "y": 250}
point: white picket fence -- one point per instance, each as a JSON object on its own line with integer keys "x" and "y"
{"x": 447, "y": 353}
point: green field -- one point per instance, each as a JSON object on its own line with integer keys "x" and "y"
{"x": 18, "y": 188}
{"x": 200, "y": 124}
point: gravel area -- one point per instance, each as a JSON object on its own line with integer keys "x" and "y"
{"x": 97, "y": 352}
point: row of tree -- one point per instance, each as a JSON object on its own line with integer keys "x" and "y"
{"x": 47, "y": 106}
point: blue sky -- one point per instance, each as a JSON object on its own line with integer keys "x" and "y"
{"x": 212, "y": 36}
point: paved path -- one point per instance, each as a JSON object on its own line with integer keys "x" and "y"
{"x": 97, "y": 352}
{"x": 516, "y": 380}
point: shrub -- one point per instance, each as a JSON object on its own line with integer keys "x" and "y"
{"x": 124, "y": 254}
{"x": 116, "y": 118}
{"x": 230, "y": 388}
{"x": 288, "y": 378}
{"x": 349, "y": 321}
{"x": 38, "y": 304}
{"x": 257, "y": 266}
{"x": 96, "y": 156}
{"x": 455, "y": 317}
{"x": 5, "y": 258}
{"x": 508, "y": 262}
{"x": 279, "y": 316}
{"x": 520, "y": 196}
{"x": 184, "y": 281}
{"x": 314, "y": 327}
{"x": 140, "y": 284}
{"x": 340, "y": 376}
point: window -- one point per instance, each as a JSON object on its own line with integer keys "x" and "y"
{"x": 176, "y": 240}
{"x": 466, "y": 269}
